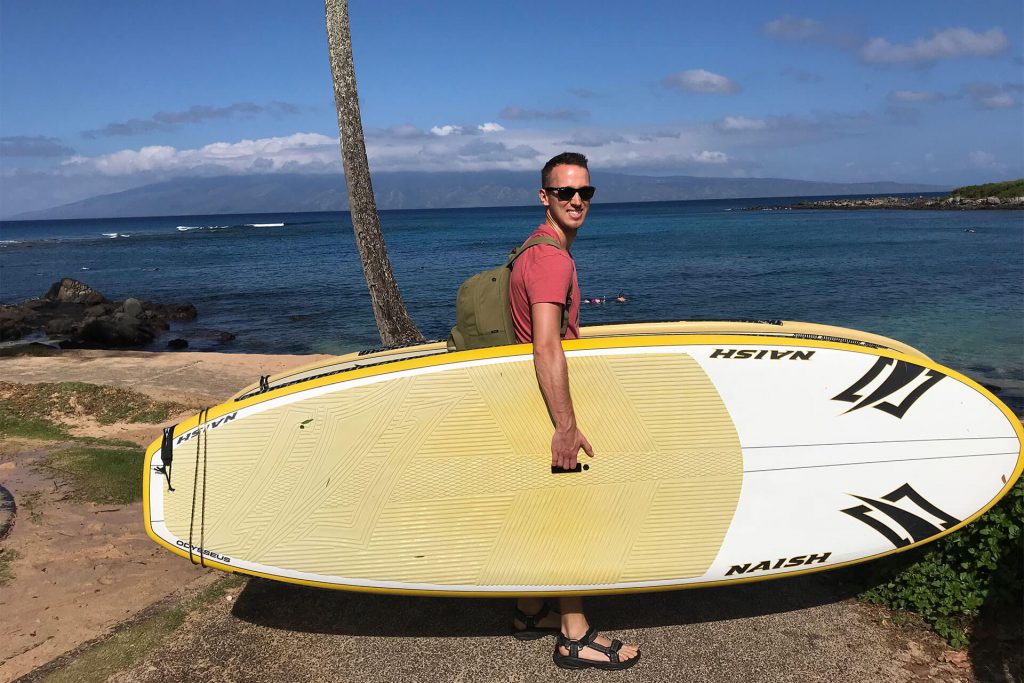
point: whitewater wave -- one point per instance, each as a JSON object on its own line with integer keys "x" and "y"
{"x": 190, "y": 228}
{"x": 115, "y": 235}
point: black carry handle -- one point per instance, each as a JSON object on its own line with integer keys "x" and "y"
{"x": 579, "y": 467}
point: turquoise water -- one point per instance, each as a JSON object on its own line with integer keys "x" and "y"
{"x": 949, "y": 283}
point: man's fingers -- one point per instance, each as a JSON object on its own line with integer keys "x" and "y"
{"x": 586, "y": 446}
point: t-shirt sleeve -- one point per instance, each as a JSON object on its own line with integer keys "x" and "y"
{"x": 547, "y": 280}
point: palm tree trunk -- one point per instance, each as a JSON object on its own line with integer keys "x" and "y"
{"x": 393, "y": 321}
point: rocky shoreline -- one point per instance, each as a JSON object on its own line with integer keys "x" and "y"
{"x": 955, "y": 203}
{"x": 75, "y": 316}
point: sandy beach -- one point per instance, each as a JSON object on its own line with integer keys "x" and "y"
{"x": 84, "y": 570}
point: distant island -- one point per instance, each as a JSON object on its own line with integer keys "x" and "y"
{"x": 1004, "y": 195}
{"x": 295, "y": 192}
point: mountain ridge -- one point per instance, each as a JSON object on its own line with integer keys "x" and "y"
{"x": 294, "y": 192}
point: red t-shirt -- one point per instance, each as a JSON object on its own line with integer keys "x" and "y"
{"x": 542, "y": 275}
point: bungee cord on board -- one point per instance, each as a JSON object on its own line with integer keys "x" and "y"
{"x": 203, "y": 438}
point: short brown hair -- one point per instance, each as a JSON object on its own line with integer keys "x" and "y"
{"x": 565, "y": 158}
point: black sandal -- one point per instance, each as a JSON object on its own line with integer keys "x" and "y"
{"x": 573, "y": 660}
{"x": 532, "y": 631}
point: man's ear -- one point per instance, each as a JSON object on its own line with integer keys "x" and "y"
{"x": 542, "y": 193}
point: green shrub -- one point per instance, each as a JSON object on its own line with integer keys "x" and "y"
{"x": 1004, "y": 190}
{"x": 947, "y": 582}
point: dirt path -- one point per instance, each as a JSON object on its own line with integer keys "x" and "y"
{"x": 82, "y": 569}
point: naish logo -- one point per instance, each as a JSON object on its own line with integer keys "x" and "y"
{"x": 903, "y": 516}
{"x": 209, "y": 425}
{"x": 900, "y": 375}
{"x": 759, "y": 354}
{"x": 781, "y": 563}
{"x": 203, "y": 551}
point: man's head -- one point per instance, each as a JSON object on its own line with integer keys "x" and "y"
{"x": 566, "y": 209}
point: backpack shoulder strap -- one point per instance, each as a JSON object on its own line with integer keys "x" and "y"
{"x": 542, "y": 239}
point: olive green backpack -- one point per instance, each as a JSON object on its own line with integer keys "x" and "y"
{"x": 483, "y": 308}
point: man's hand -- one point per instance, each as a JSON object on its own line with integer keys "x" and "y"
{"x": 566, "y": 445}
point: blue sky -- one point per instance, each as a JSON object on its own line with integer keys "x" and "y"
{"x": 99, "y": 97}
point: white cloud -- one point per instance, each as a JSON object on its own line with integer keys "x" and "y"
{"x": 444, "y": 131}
{"x": 701, "y": 81}
{"x": 737, "y": 123}
{"x": 913, "y": 96}
{"x": 981, "y": 159}
{"x": 709, "y": 157}
{"x": 988, "y": 96}
{"x": 297, "y": 150}
{"x": 952, "y": 42}
{"x": 490, "y": 127}
{"x": 998, "y": 101}
{"x": 726, "y": 146}
{"x": 790, "y": 28}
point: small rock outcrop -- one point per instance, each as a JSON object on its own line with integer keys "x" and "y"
{"x": 954, "y": 203}
{"x": 80, "y": 317}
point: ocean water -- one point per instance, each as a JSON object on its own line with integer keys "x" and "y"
{"x": 949, "y": 283}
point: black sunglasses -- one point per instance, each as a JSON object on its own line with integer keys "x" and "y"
{"x": 567, "y": 193}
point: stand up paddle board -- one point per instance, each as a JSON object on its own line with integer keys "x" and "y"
{"x": 723, "y": 455}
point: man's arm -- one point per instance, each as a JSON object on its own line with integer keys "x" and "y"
{"x": 553, "y": 378}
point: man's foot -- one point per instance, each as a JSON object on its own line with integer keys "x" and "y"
{"x": 531, "y": 626}
{"x": 593, "y": 650}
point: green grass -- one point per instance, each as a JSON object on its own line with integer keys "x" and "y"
{"x": 1003, "y": 190}
{"x": 34, "y": 404}
{"x": 100, "y": 475}
{"x": 110, "y": 443}
{"x": 14, "y": 423}
{"x": 126, "y": 647}
{"x": 7, "y": 556}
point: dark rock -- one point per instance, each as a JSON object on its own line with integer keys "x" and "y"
{"x": 132, "y": 307}
{"x": 177, "y": 344}
{"x": 12, "y": 314}
{"x": 86, "y": 319}
{"x": 105, "y": 333}
{"x": 180, "y": 312}
{"x": 226, "y": 336}
{"x": 11, "y": 330}
{"x": 99, "y": 310}
{"x": 57, "y": 327}
{"x": 72, "y": 291}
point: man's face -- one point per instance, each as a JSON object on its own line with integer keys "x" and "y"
{"x": 567, "y": 215}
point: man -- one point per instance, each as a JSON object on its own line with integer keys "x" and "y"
{"x": 542, "y": 279}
